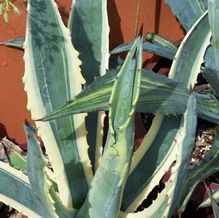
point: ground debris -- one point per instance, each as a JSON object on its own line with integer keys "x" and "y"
{"x": 203, "y": 143}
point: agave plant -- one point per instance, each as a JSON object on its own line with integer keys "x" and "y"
{"x": 80, "y": 175}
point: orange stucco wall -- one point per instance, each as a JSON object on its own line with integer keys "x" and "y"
{"x": 154, "y": 15}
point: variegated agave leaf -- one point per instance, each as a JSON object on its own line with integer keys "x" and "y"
{"x": 154, "y": 48}
{"x": 156, "y": 44}
{"x": 211, "y": 70}
{"x": 159, "y": 39}
{"x": 41, "y": 185}
{"x": 213, "y": 13}
{"x": 207, "y": 202}
{"x": 15, "y": 43}
{"x": 158, "y": 94}
{"x": 191, "y": 68}
{"x": 16, "y": 191}
{"x": 211, "y": 74}
{"x": 213, "y": 202}
{"x": 179, "y": 154}
{"x": 200, "y": 172}
{"x": 112, "y": 173}
{"x": 91, "y": 39}
{"x": 18, "y": 161}
{"x": 52, "y": 77}
{"x": 164, "y": 129}
{"x": 188, "y": 12}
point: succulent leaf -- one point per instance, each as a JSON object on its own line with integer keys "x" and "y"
{"x": 207, "y": 201}
{"x": 211, "y": 69}
{"x": 50, "y": 64}
{"x": 159, "y": 39}
{"x": 213, "y": 202}
{"x": 154, "y": 48}
{"x": 112, "y": 173}
{"x": 18, "y": 161}
{"x": 16, "y": 191}
{"x": 179, "y": 153}
{"x": 158, "y": 94}
{"x": 200, "y": 172}
{"x": 188, "y": 12}
{"x": 15, "y": 43}
{"x": 40, "y": 182}
{"x": 212, "y": 76}
{"x": 213, "y": 14}
{"x": 89, "y": 28}
{"x": 168, "y": 125}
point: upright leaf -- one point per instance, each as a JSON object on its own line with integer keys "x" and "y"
{"x": 89, "y": 27}
{"x": 213, "y": 13}
{"x": 197, "y": 38}
{"x": 111, "y": 175}
{"x": 211, "y": 70}
{"x": 52, "y": 77}
{"x": 185, "y": 140}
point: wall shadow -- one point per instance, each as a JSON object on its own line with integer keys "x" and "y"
{"x": 3, "y": 131}
{"x": 157, "y": 16}
{"x": 115, "y": 35}
{"x": 64, "y": 13}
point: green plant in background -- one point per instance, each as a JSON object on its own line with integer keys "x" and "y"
{"x": 78, "y": 176}
{"x": 6, "y": 6}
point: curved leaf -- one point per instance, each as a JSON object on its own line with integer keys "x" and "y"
{"x": 178, "y": 153}
{"x": 185, "y": 69}
{"x": 159, "y": 39}
{"x": 187, "y": 11}
{"x": 154, "y": 48}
